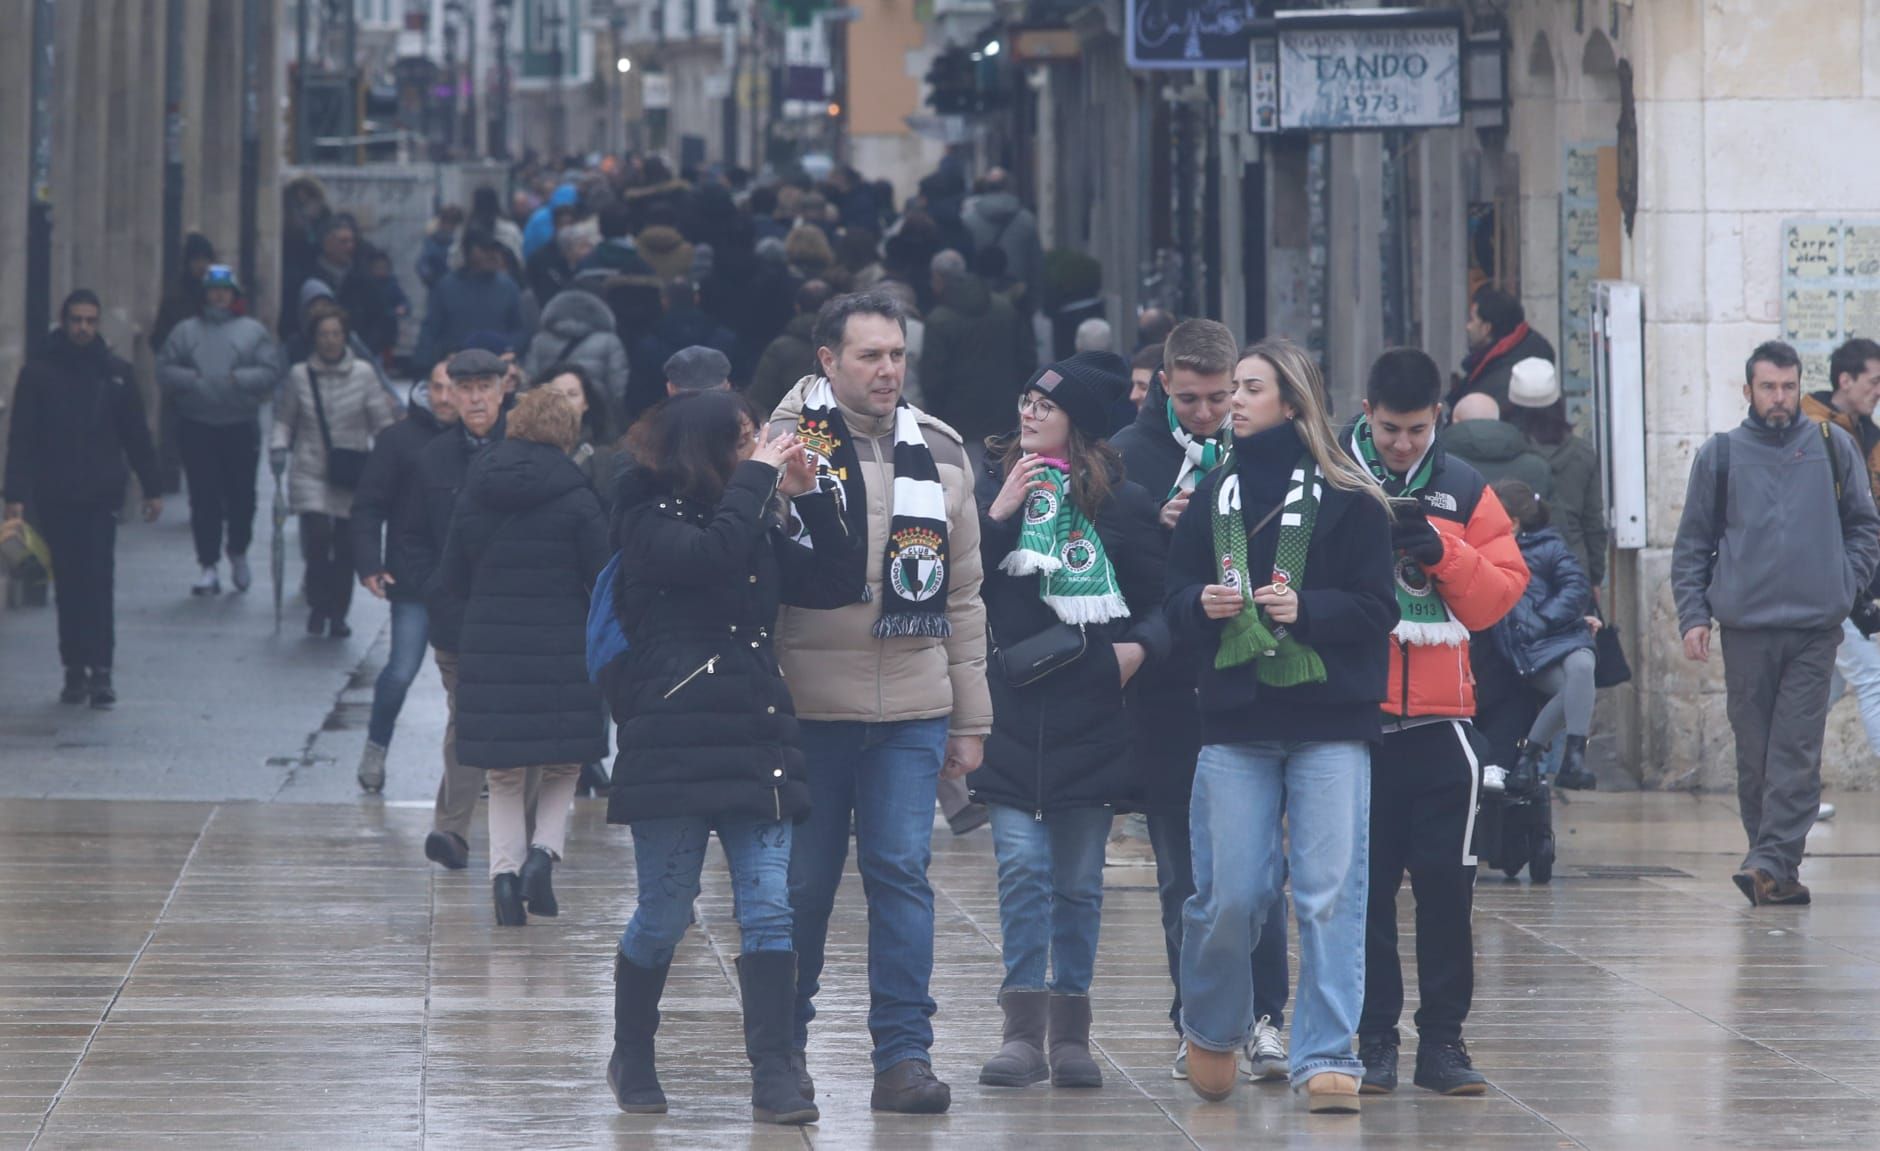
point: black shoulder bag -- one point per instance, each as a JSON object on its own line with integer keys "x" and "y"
{"x": 344, "y": 466}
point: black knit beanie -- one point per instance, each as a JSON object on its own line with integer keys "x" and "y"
{"x": 1086, "y": 386}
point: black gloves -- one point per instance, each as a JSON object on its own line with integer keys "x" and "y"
{"x": 1414, "y": 536}
{"x": 1866, "y": 615}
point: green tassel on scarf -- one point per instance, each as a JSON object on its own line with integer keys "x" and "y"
{"x": 1281, "y": 659}
{"x": 1060, "y": 545}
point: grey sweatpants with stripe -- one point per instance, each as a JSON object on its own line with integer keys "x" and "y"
{"x": 1777, "y": 679}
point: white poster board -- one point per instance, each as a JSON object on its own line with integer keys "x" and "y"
{"x": 1365, "y": 79}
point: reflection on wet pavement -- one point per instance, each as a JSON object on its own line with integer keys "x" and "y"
{"x": 201, "y": 975}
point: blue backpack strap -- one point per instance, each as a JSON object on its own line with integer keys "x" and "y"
{"x": 606, "y": 639}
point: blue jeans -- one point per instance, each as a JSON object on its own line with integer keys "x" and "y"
{"x": 885, "y": 773}
{"x": 1050, "y": 895}
{"x": 1175, "y": 882}
{"x": 411, "y": 631}
{"x": 668, "y": 855}
{"x": 1242, "y": 791}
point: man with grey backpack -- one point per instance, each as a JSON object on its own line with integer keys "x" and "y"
{"x": 1778, "y": 538}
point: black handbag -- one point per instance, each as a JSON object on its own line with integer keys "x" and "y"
{"x": 344, "y": 466}
{"x": 1051, "y": 650}
{"x": 1610, "y": 668}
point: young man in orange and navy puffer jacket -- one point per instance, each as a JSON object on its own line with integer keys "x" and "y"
{"x": 1458, "y": 570}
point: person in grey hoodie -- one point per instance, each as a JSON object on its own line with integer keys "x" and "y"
{"x": 217, "y": 369}
{"x": 1779, "y": 535}
{"x": 996, "y": 217}
{"x": 578, "y": 328}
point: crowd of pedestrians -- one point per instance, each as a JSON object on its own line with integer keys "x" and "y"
{"x": 772, "y": 479}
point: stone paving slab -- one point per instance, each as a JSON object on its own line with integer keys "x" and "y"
{"x": 212, "y": 975}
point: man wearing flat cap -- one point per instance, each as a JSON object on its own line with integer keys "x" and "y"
{"x": 481, "y": 383}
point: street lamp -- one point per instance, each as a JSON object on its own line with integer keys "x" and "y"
{"x": 623, "y": 65}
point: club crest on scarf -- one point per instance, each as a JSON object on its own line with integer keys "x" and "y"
{"x": 1079, "y": 555}
{"x": 917, "y": 568}
{"x": 914, "y": 564}
{"x": 1041, "y": 506}
{"x": 821, "y": 440}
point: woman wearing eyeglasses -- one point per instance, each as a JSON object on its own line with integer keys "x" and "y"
{"x": 1073, "y": 589}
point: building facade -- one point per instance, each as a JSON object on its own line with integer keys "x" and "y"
{"x": 107, "y": 107}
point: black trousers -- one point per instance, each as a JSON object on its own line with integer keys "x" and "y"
{"x": 83, "y": 542}
{"x": 1424, "y": 787}
{"x": 221, "y": 463}
{"x": 326, "y": 544}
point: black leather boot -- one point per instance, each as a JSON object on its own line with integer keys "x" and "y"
{"x": 1574, "y": 774}
{"x": 768, "y": 981}
{"x": 631, "y": 1073}
{"x": 538, "y": 889}
{"x": 1526, "y": 775}
{"x": 506, "y": 890}
{"x": 77, "y": 686}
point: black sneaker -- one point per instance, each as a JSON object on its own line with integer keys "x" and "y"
{"x": 910, "y": 1088}
{"x": 103, "y": 695}
{"x": 337, "y": 629}
{"x": 77, "y": 686}
{"x": 1445, "y": 1069}
{"x": 1379, "y": 1057}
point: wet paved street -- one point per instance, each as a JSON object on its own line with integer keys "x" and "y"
{"x": 263, "y": 954}
{"x": 201, "y": 975}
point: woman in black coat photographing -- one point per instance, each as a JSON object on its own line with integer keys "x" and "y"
{"x": 707, "y": 731}
{"x": 527, "y": 541}
{"x": 1073, "y": 589}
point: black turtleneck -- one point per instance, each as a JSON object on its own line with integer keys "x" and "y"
{"x": 1265, "y": 462}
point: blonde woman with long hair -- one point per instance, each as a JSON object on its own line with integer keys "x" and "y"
{"x": 1279, "y": 578}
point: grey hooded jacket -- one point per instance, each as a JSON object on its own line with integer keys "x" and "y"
{"x": 1787, "y": 553}
{"x": 578, "y": 326}
{"x": 999, "y": 218}
{"x": 219, "y": 368}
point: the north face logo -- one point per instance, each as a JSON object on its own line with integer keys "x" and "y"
{"x": 1442, "y": 500}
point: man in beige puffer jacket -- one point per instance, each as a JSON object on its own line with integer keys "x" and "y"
{"x": 883, "y": 719}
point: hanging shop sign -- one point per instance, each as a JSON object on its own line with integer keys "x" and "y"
{"x": 1369, "y": 69}
{"x": 1189, "y": 33}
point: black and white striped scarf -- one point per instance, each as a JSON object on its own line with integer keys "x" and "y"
{"x": 915, "y": 576}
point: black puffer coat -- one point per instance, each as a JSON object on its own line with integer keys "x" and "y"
{"x": 706, "y": 723}
{"x": 527, "y": 541}
{"x": 1065, "y": 740}
{"x": 1168, "y": 722}
{"x": 1549, "y": 624}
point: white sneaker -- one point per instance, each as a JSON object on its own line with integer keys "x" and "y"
{"x": 1180, "y": 1069}
{"x": 1265, "y": 1054}
{"x": 239, "y": 574}
{"x": 1494, "y": 778}
{"x": 207, "y": 584}
{"x": 1825, "y": 814}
